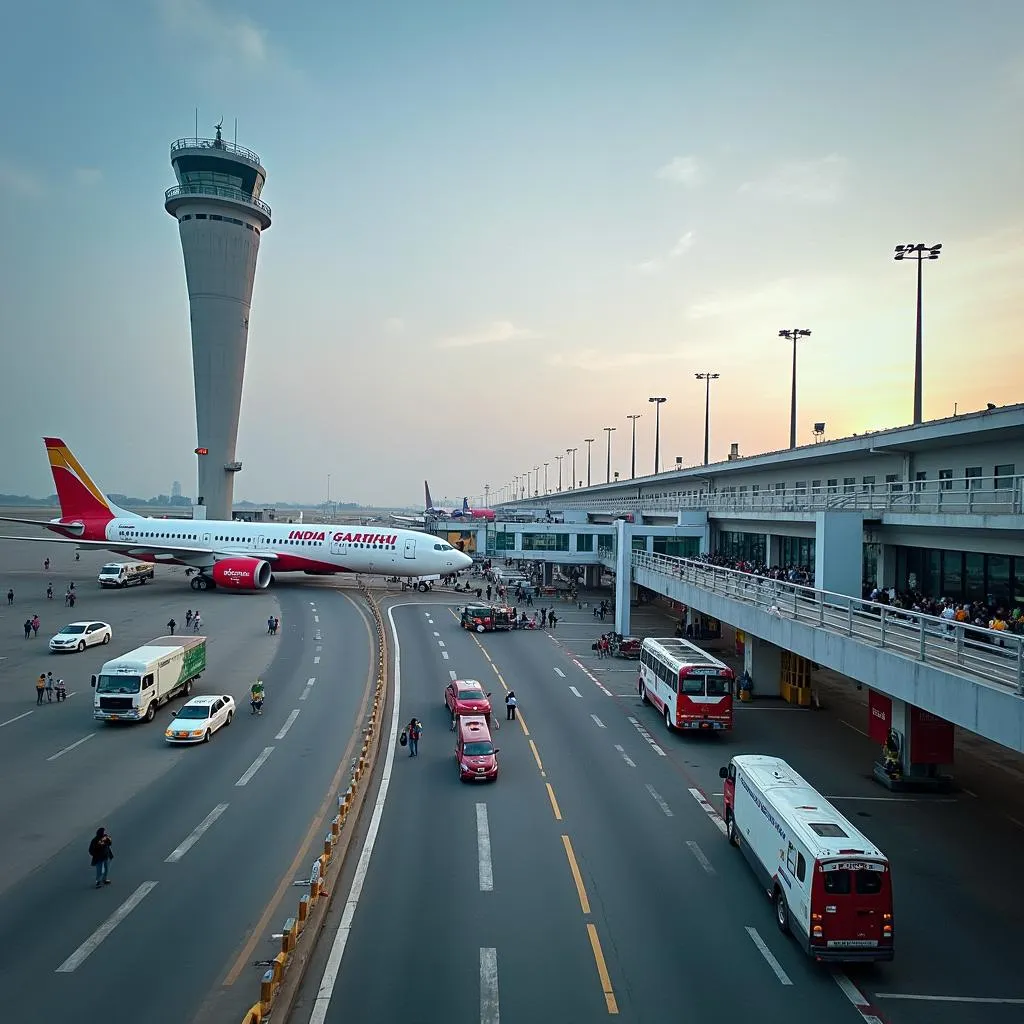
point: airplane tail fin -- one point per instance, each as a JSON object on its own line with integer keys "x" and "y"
{"x": 426, "y": 495}
{"x": 78, "y": 496}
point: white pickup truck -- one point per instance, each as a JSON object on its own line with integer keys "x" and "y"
{"x": 124, "y": 574}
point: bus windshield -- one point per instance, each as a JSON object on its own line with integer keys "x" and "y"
{"x": 118, "y": 684}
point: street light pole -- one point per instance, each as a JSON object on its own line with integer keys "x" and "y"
{"x": 536, "y": 480}
{"x": 919, "y": 252}
{"x": 793, "y": 335}
{"x": 487, "y": 495}
{"x": 572, "y": 479}
{"x": 609, "y": 431}
{"x": 546, "y": 477}
{"x": 658, "y": 403}
{"x": 708, "y": 378}
{"x": 589, "y": 441}
{"x": 632, "y": 470}
{"x": 559, "y": 458}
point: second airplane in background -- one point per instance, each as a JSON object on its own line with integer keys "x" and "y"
{"x": 432, "y": 512}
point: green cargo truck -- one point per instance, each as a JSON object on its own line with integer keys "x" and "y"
{"x": 133, "y": 686}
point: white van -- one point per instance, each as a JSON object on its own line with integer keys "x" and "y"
{"x": 124, "y": 574}
{"x": 831, "y": 886}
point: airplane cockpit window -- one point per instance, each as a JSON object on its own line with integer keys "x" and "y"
{"x": 439, "y": 547}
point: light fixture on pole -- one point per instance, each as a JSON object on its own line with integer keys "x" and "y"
{"x": 536, "y": 481}
{"x": 632, "y": 465}
{"x": 708, "y": 378}
{"x": 546, "y": 477}
{"x": 609, "y": 431}
{"x": 658, "y": 403}
{"x": 818, "y": 431}
{"x": 559, "y": 458}
{"x": 588, "y": 441}
{"x": 572, "y": 480}
{"x": 487, "y": 495}
{"x": 794, "y": 335}
{"x": 919, "y": 252}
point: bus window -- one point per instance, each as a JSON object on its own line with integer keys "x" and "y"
{"x": 718, "y": 686}
{"x": 868, "y": 883}
{"x": 837, "y": 883}
{"x": 693, "y": 685}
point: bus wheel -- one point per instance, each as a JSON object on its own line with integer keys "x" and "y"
{"x": 781, "y": 911}
{"x": 668, "y": 720}
{"x": 730, "y": 829}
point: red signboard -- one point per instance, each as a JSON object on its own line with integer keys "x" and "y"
{"x": 931, "y": 738}
{"x": 879, "y": 716}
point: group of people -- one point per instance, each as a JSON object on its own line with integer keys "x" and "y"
{"x": 49, "y": 687}
{"x": 192, "y": 619}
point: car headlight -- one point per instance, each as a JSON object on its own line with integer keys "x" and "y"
{"x": 196, "y": 732}
{"x": 169, "y": 732}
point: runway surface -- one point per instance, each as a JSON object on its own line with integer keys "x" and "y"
{"x": 207, "y": 839}
{"x": 593, "y": 879}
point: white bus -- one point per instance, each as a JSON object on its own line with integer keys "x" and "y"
{"x": 692, "y": 689}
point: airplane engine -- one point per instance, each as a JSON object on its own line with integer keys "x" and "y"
{"x": 241, "y": 573}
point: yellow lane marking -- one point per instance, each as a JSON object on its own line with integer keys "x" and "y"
{"x": 602, "y": 969}
{"x": 536, "y": 756}
{"x": 522, "y": 724}
{"x": 554, "y": 802}
{"x": 576, "y": 876}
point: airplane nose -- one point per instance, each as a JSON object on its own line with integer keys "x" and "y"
{"x": 463, "y": 561}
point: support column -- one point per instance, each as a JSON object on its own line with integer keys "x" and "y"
{"x": 549, "y": 574}
{"x": 592, "y": 576}
{"x": 839, "y": 552}
{"x": 915, "y": 744}
{"x": 623, "y": 575}
{"x": 763, "y": 662}
{"x": 885, "y": 571}
{"x": 772, "y": 550}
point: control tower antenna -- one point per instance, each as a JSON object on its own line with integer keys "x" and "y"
{"x": 220, "y": 219}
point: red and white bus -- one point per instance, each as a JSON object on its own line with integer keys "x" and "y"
{"x": 692, "y": 689}
{"x": 831, "y": 886}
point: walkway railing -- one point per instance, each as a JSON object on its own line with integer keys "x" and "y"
{"x": 228, "y": 147}
{"x": 993, "y": 655}
{"x": 202, "y": 189}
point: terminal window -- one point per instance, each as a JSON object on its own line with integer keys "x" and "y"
{"x": 945, "y": 479}
{"x": 1004, "y": 475}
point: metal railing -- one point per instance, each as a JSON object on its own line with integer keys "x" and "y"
{"x": 953, "y": 496}
{"x": 993, "y": 655}
{"x": 226, "y": 147}
{"x": 236, "y": 195}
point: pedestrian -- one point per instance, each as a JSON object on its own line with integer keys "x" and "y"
{"x": 171, "y": 625}
{"x": 72, "y": 598}
{"x": 46, "y": 565}
{"x": 511, "y": 703}
{"x": 10, "y": 596}
{"x": 62, "y": 691}
{"x": 40, "y": 688}
{"x": 196, "y": 622}
{"x": 277, "y": 622}
{"x": 414, "y": 730}
{"x": 552, "y": 619}
{"x": 28, "y": 628}
{"x": 35, "y": 625}
{"x": 49, "y": 687}
{"x": 102, "y": 853}
{"x": 67, "y": 596}
{"x": 49, "y": 592}
{"x": 270, "y": 625}
{"x": 188, "y": 617}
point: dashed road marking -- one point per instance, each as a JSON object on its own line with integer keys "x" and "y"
{"x": 590, "y": 675}
{"x": 254, "y": 767}
{"x": 17, "y": 718}
{"x": 489, "y": 1006}
{"x": 483, "y": 849}
{"x": 289, "y": 722}
{"x": 660, "y": 800}
{"x": 598, "y": 722}
{"x": 316, "y": 660}
{"x": 769, "y": 956}
{"x": 70, "y": 747}
{"x": 559, "y": 672}
{"x": 196, "y": 834}
{"x": 701, "y": 858}
{"x": 647, "y": 736}
{"x": 91, "y": 944}
{"x": 310, "y": 683}
{"x": 451, "y": 672}
{"x": 576, "y": 692}
{"x": 709, "y": 810}
{"x": 625, "y": 756}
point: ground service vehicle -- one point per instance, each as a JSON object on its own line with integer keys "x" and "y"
{"x": 478, "y": 617}
{"x": 136, "y": 684}
{"x": 692, "y": 689}
{"x": 475, "y": 753}
{"x": 124, "y": 574}
{"x": 830, "y": 884}
{"x": 199, "y": 718}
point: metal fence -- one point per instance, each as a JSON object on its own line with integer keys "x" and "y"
{"x": 204, "y": 189}
{"x": 993, "y": 655}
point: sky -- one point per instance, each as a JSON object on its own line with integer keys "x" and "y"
{"x": 499, "y": 228}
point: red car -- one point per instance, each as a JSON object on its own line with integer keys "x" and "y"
{"x": 467, "y": 697}
{"x": 475, "y": 752}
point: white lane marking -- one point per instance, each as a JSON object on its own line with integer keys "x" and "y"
{"x": 590, "y": 675}
{"x": 319, "y": 648}
{"x": 254, "y": 767}
{"x": 598, "y": 722}
{"x": 440, "y": 643}
{"x": 77, "y": 743}
{"x": 625, "y": 756}
{"x": 288, "y": 723}
{"x": 316, "y": 660}
{"x": 312, "y": 604}
{"x": 330, "y": 976}
{"x": 427, "y": 614}
{"x": 483, "y": 849}
{"x": 769, "y": 956}
{"x": 660, "y": 800}
{"x": 316, "y": 618}
{"x": 857, "y": 998}
{"x": 647, "y": 736}
{"x": 559, "y": 672}
{"x": 576, "y": 692}
{"x": 310, "y": 683}
{"x": 699, "y": 854}
{"x": 451, "y": 672}
{"x": 950, "y": 999}
{"x": 91, "y": 944}
{"x": 709, "y": 810}
{"x": 196, "y": 834}
{"x": 444, "y": 654}
{"x": 489, "y": 1012}
{"x": 17, "y": 718}
{"x": 970, "y": 792}
{"x": 842, "y": 721}
{"x": 436, "y": 633}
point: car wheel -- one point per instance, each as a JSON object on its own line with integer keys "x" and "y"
{"x": 781, "y": 911}
{"x": 230, "y": 716}
{"x": 206, "y": 736}
{"x": 81, "y": 645}
{"x": 106, "y": 638}
{"x": 151, "y": 712}
{"x": 730, "y": 829}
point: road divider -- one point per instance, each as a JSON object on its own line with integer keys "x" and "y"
{"x": 283, "y": 974}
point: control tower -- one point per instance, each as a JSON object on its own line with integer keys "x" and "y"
{"x": 217, "y": 205}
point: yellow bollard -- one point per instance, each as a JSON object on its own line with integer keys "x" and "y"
{"x": 328, "y": 846}
{"x": 288, "y": 936}
{"x": 254, "y": 1015}
{"x": 280, "y": 963}
{"x": 303, "y": 912}
{"x": 267, "y": 990}
{"x": 336, "y": 826}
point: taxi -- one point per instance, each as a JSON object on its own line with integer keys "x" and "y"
{"x": 475, "y": 752}
{"x": 466, "y": 697}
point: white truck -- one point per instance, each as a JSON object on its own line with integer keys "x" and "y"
{"x": 124, "y": 574}
{"x": 132, "y": 687}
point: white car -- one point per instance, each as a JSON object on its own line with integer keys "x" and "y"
{"x": 198, "y": 719}
{"x": 76, "y": 636}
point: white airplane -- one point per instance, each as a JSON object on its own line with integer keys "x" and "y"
{"x": 230, "y": 554}
{"x": 430, "y": 511}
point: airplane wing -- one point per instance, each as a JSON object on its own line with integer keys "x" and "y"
{"x": 415, "y": 520}
{"x": 159, "y": 552}
{"x": 45, "y": 523}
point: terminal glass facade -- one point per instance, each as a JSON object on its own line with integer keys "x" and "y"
{"x": 961, "y": 575}
{"x": 745, "y": 547}
{"x": 500, "y": 540}
{"x": 605, "y": 543}
{"x": 796, "y": 551}
{"x": 584, "y": 542}
{"x": 680, "y": 547}
{"x": 545, "y": 542}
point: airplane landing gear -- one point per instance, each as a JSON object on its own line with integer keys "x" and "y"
{"x": 202, "y": 583}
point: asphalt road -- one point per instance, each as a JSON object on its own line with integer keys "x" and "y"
{"x": 207, "y": 839}
{"x": 471, "y": 908}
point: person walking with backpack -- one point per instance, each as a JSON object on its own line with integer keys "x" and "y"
{"x": 414, "y": 730}
{"x": 102, "y": 853}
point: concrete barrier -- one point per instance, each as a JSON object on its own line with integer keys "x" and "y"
{"x": 279, "y": 984}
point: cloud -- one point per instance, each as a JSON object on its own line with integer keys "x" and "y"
{"x": 683, "y": 246}
{"x": 493, "y": 334}
{"x": 394, "y": 325}
{"x": 684, "y": 170}
{"x": 600, "y": 361}
{"x": 88, "y": 175}
{"x": 777, "y": 300}
{"x": 201, "y": 20}
{"x": 803, "y": 181}
{"x": 649, "y": 266}
{"x": 18, "y": 182}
